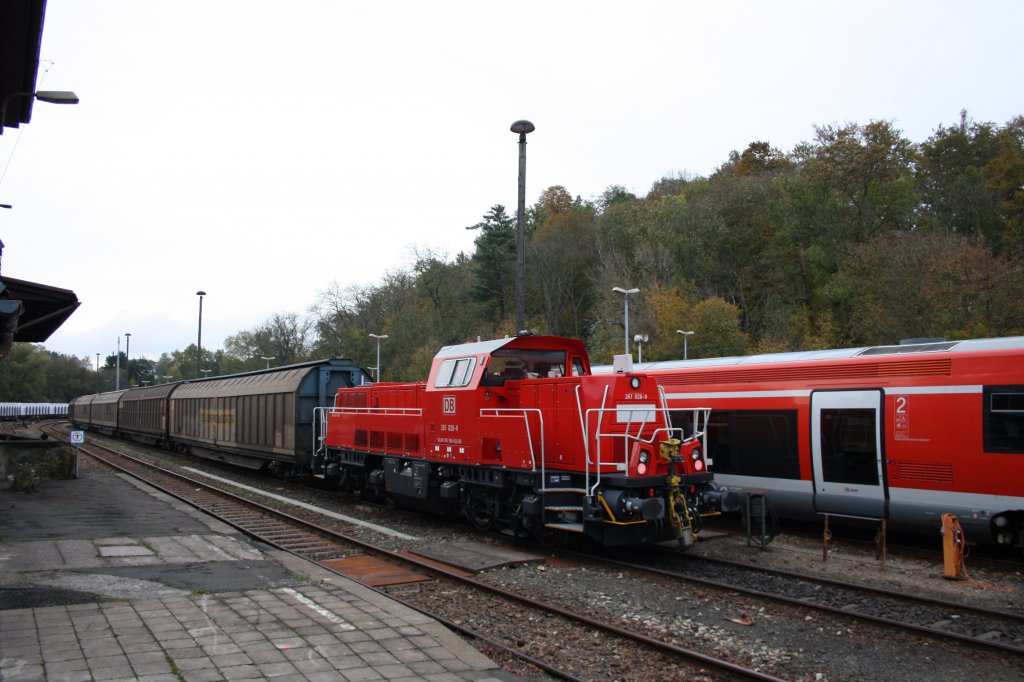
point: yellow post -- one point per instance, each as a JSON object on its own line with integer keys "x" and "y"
{"x": 952, "y": 547}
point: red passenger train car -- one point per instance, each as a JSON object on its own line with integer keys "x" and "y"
{"x": 519, "y": 435}
{"x": 903, "y": 433}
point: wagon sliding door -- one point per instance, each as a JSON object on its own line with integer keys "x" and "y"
{"x": 846, "y": 450}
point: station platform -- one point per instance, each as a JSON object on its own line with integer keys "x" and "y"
{"x": 105, "y": 578}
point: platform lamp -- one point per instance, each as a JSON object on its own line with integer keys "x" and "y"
{"x": 51, "y": 96}
{"x": 521, "y": 128}
{"x": 626, "y": 293}
{"x": 686, "y": 335}
{"x": 264, "y": 357}
{"x": 640, "y": 340}
{"x": 127, "y": 360}
{"x": 378, "y": 337}
{"x": 199, "y": 341}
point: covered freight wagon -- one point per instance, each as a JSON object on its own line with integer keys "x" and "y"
{"x": 259, "y": 420}
{"x": 142, "y": 413}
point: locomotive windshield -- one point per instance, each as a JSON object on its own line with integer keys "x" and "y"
{"x": 526, "y": 363}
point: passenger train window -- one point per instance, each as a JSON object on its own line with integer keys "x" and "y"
{"x": 849, "y": 452}
{"x": 1004, "y": 419}
{"x": 750, "y": 442}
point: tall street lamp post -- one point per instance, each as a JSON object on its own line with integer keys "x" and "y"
{"x": 127, "y": 360}
{"x": 377, "y": 368}
{"x": 522, "y": 128}
{"x": 117, "y": 366}
{"x": 626, "y": 293}
{"x": 686, "y": 335}
{"x": 51, "y": 96}
{"x": 199, "y": 341}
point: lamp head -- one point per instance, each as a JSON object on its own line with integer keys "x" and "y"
{"x": 522, "y": 127}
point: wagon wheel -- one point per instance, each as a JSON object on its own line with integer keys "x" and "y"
{"x": 483, "y": 521}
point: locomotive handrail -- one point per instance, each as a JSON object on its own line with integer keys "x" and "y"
{"x": 628, "y": 436}
{"x": 320, "y": 434}
{"x": 513, "y": 411}
{"x": 389, "y": 411}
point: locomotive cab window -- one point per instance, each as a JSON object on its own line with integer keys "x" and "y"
{"x": 455, "y": 373}
{"x": 1004, "y": 419}
{"x": 523, "y": 363}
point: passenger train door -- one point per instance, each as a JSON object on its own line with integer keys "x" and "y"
{"x": 846, "y": 452}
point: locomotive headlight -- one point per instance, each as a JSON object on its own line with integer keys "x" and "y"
{"x": 635, "y": 382}
{"x": 645, "y": 456}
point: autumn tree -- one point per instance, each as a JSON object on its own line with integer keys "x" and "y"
{"x": 926, "y": 284}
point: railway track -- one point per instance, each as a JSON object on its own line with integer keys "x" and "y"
{"x": 518, "y": 626}
{"x": 794, "y": 641}
{"x": 981, "y": 627}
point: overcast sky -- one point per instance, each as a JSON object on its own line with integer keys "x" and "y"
{"x": 262, "y": 150}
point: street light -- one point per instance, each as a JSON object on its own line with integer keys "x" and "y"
{"x": 264, "y": 357}
{"x": 127, "y": 363}
{"x": 199, "y": 341}
{"x": 117, "y": 366}
{"x": 378, "y": 337}
{"x": 51, "y": 96}
{"x": 685, "y": 336}
{"x": 640, "y": 339}
{"x": 522, "y": 128}
{"x": 626, "y": 293}
{"x": 206, "y": 372}
{"x": 167, "y": 378}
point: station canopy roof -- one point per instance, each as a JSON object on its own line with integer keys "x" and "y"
{"x": 45, "y": 308}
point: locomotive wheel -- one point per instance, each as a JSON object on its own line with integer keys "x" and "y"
{"x": 483, "y": 522}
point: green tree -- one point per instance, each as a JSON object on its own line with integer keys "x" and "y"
{"x": 561, "y": 272}
{"x": 954, "y": 190}
{"x": 717, "y": 330}
{"x": 494, "y": 264}
{"x": 23, "y": 374}
{"x": 285, "y": 337}
{"x": 926, "y": 283}
{"x": 1005, "y": 176}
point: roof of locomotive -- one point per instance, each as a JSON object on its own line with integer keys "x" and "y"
{"x": 526, "y": 341}
{"x": 1005, "y": 343}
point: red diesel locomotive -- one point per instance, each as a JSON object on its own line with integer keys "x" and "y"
{"x": 517, "y": 434}
{"x": 903, "y": 433}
